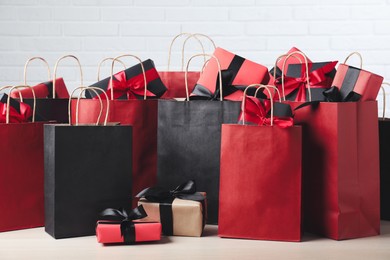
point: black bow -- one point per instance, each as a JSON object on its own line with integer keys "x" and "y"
{"x": 186, "y": 191}
{"x": 126, "y": 220}
{"x": 334, "y": 95}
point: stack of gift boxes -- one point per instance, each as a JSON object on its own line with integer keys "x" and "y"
{"x": 265, "y": 154}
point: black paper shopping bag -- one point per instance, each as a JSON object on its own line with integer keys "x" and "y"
{"x": 87, "y": 168}
{"x": 189, "y": 141}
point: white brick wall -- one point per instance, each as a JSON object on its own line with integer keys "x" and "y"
{"x": 257, "y": 29}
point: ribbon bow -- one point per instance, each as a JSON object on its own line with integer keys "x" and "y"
{"x": 257, "y": 112}
{"x": 186, "y": 191}
{"x": 18, "y": 112}
{"x": 318, "y": 78}
{"x": 334, "y": 95}
{"x": 123, "y": 86}
{"x": 126, "y": 218}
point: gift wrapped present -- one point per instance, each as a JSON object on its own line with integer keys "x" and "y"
{"x": 129, "y": 83}
{"x": 45, "y": 90}
{"x": 256, "y": 111}
{"x": 19, "y": 112}
{"x": 296, "y": 80}
{"x": 182, "y": 211}
{"x": 239, "y": 72}
{"x": 356, "y": 82}
{"x": 118, "y": 226}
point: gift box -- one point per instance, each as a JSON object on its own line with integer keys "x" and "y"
{"x": 240, "y": 73}
{"x": 19, "y": 111}
{"x": 182, "y": 212}
{"x": 45, "y": 90}
{"x": 320, "y": 75}
{"x": 121, "y": 228}
{"x": 129, "y": 83}
{"x": 352, "y": 81}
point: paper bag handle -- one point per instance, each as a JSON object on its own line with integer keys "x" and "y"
{"x": 55, "y": 71}
{"x": 355, "y": 53}
{"x": 195, "y": 35}
{"x": 21, "y": 99}
{"x": 219, "y": 74}
{"x": 258, "y": 86}
{"x": 182, "y": 51}
{"x": 28, "y": 62}
{"x": 384, "y": 99}
{"x": 94, "y": 89}
{"x": 307, "y": 72}
{"x": 104, "y": 60}
{"x": 112, "y": 72}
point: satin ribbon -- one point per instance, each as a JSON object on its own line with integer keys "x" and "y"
{"x": 317, "y": 78}
{"x": 257, "y": 113}
{"x": 132, "y": 87}
{"x": 18, "y": 112}
{"x": 126, "y": 220}
{"x": 334, "y": 95}
{"x": 165, "y": 197}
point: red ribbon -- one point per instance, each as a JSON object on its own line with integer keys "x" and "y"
{"x": 256, "y": 113}
{"x": 14, "y": 115}
{"x": 131, "y": 87}
{"x": 317, "y": 79}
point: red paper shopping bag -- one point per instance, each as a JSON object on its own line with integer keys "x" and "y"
{"x": 340, "y": 168}
{"x": 142, "y": 115}
{"x": 174, "y": 80}
{"x": 21, "y": 185}
{"x": 260, "y": 179}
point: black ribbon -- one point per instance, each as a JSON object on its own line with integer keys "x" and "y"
{"x": 335, "y": 95}
{"x": 126, "y": 220}
{"x": 165, "y": 197}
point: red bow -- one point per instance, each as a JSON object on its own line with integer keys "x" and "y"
{"x": 256, "y": 112}
{"x": 130, "y": 87}
{"x": 317, "y": 79}
{"x": 14, "y": 115}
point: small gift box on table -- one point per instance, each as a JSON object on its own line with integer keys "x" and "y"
{"x": 118, "y": 226}
{"x": 182, "y": 211}
{"x": 355, "y": 83}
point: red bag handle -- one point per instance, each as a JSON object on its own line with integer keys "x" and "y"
{"x": 219, "y": 74}
{"x": 55, "y": 71}
{"x": 112, "y": 72}
{"x": 94, "y": 89}
{"x": 21, "y": 99}
{"x": 259, "y": 86}
{"x": 355, "y": 53}
{"x": 384, "y": 99}
{"x": 28, "y": 62}
{"x": 195, "y": 35}
{"x": 104, "y": 60}
{"x": 182, "y": 51}
{"x": 307, "y": 72}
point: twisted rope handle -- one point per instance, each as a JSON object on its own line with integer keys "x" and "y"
{"x": 112, "y": 73}
{"x": 355, "y": 53}
{"x": 219, "y": 74}
{"x": 28, "y": 62}
{"x": 104, "y": 60}
{"x": 384, "y": 99}
{"x": 307, "y": 72}
{"x": 55, "y": 71}
{"x": 195, "y": 35}
{"x": 258, "y": 86}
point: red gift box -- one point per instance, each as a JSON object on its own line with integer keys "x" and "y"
{"x": 118, "y": 226}
{"x": 351, "y": 81}
{"x": 19, "y": 112}
{"x": 110, "y": 232}
{"x": 243, "y": 73}
{"x": 45, "y": 90}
